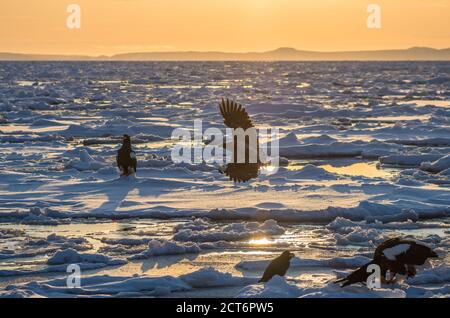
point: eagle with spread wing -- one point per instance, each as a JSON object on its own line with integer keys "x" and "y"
{"x": 235, "y": 116}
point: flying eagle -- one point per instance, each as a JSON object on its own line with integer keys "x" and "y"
{"x": 235, "y": 116}
{"x": 278, "y": 266}
{"x": 126, "y": 158}
{"x": 396, "y": 255}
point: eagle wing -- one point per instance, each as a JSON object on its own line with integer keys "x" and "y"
{"x": 386, "y": 244}
{"x": 417, "y": 254}
{"x": 271, "y": 270}
{"x": 133, "y": 161}
{"x": 234, "y": 115}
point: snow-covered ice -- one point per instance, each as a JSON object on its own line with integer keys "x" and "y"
{"x": 278, "y": 287}
{"x": 364, "y": 150}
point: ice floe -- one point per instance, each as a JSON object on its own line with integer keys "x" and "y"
{"x": 114, "y": 286}
{"x": 59, "y": 262}
{"x": 230, "y": 232}
{"x": 86, "y": 162}
{"x": 278, "y": 287}
{"x": 158, "y": 248}
{"x": 436, "y": 275}
{"x": 60, "y": 190}
{"x": 438, "y": 165}
{"x": 298, "y": 262}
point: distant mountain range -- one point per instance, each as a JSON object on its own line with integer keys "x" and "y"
{"x": 281, "y": 54}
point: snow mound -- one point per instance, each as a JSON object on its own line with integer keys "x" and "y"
{"x": 296, "y": 262}
{"x": 369, "y": 211}
{"x": 85, "y": 162}
{"x": 337, "y": 149}
{"x": 437, "y": 275}
{"x": 445, "y": 172}
{"x": 39, "y": 216}
{"x": 438, "y": 165}
{"x": 278, "y": 287}
{"x": 312, "y": 172}
{"x": 425, "y": 292}
{"x": 202, "y": 232}
{"x": 343, "y": 225}
{"x": 138, "y": 286}
{"x": 164, "y": 247}
{"x": 210, "y": 277}
{"x": 70, "y": 256}
{"x": 62, "y": 242}
{"x": 196, "y": 224}
{"x": 408, "y": 160}
{"x": 289, "y": 139}
{"x": 19, "y": 293}
{"x": 360, "y": 236}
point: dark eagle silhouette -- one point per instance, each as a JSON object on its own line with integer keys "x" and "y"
{"x": 241, "y": 172}
{"x": 396, "y": 255}
{"x": 235, "y": 116}
{"x": 278, "y": 266}
{"x": 126, "y": 157}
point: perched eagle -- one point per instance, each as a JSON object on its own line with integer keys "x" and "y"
{"x": 126, "y": 157}
{"x": 278, "y": 266}
{"x": 396, "y": 255}
{"x": 235, "y": 116}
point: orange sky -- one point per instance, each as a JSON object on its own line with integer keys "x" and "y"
{"x": 117, "y": 26}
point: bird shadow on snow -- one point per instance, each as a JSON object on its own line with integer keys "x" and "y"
{"x": 161, "y": 262}
{"x": 24, "y": 187}
{"x": 117, "y": 190}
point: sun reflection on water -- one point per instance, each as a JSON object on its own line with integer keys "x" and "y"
{"x": 261, "y": 241}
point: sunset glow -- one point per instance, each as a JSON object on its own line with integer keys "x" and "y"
{"x": 117, "y": 26}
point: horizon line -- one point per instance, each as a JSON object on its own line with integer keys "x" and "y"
{"x": 225, "y": 52}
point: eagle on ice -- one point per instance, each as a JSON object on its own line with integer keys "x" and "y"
{"x": 279, "y": 266}
{"x": 126, "y": 157}
{"x": 396, "y": 255}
